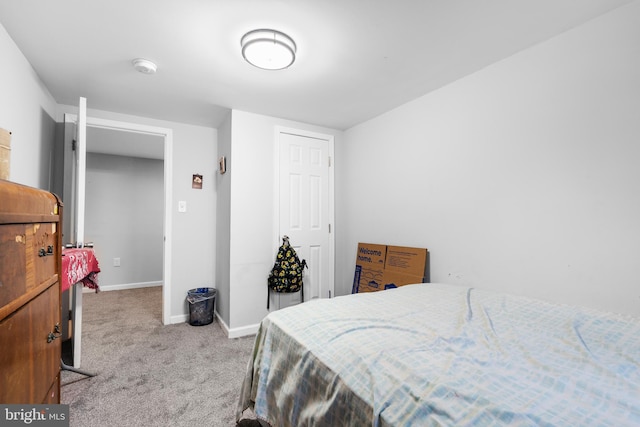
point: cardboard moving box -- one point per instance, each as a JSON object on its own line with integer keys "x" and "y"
{"x": 5, "y": 153}
{"x": 380, "y": 267}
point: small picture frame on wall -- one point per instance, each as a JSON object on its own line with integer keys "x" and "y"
{"x": 222, "y": 164}
{"x": 196, "y": 182}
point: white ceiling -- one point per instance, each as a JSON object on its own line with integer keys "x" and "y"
{"x": 356, "y": 58}
{"x": 124, "y": 143}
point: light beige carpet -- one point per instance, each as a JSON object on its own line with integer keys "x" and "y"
{"x": 149, "y": 374}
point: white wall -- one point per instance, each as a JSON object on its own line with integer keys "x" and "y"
{"x": 124, "y": 214}
{"x": 27, "y": 109}
{"x": 253, "y": 238}
{"x": 194, "y": 236}
{"x": 522, "y": 177}
{"x": 223, "y": 224}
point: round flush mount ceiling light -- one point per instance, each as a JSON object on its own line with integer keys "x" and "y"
{"x": 144, "y": 66}
{"x": 268, "y": 49}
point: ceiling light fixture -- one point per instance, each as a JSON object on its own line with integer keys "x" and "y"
{"x": 268, "y": 49}
{"x": 144, "y": 66}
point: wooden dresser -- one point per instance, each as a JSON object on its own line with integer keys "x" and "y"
{"x": 30, "y": 265}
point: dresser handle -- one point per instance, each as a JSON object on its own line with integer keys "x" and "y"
{"x": 55, "y": 334}
{"x": 48, "y": 252}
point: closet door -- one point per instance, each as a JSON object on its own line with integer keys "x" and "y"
{"x": 306, "y": 206}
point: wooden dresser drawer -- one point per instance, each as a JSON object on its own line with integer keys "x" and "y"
{"x": 27, "y": 333}
{"x": 28, "y": 256}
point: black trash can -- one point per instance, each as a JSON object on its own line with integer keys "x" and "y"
{"x": 201, "y": 304}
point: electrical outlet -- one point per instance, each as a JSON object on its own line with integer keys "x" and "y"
{"x": 116, "y": 262}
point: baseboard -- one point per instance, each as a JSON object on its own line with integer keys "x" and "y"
{"x": 180, "y": 318}
{"x": 231, "y": 333}
{"x": 222, "y": 323}
{"x": 238, "y": 332}
{"x": 106, "y": 288}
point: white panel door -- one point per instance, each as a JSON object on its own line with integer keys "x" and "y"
{"x": 304, "y": 206}
{"x": 74, "y": 199}
{"x": 81, "y": 171}
{"x": 80, "y": 184}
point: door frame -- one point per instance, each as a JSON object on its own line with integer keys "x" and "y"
{"x": 276, "y": 225}
{"x": 167, "y": 135}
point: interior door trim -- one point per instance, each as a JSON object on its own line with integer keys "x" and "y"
{"x": 278, "y": 130}
{"x": 167, "y": 134}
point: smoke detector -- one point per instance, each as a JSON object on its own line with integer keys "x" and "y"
{"x": 144, "y": 66}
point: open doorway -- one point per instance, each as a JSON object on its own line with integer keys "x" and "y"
{"x": 124, "y": 207}
{"x": 134, "y": 141}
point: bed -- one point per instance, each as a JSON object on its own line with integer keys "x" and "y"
{"x": 437, "y": 354}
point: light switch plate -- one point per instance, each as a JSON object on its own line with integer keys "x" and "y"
{"x": 182, "y": 206}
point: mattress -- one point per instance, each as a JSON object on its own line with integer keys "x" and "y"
{"x": 436, "y": 354}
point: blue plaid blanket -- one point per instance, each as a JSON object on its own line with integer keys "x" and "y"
{"x": 434, "y": 354}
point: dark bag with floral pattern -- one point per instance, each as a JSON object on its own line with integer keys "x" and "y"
{"x": 286, "y": 275}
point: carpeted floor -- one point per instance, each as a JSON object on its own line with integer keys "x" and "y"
{"x": 149, "y": 374}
